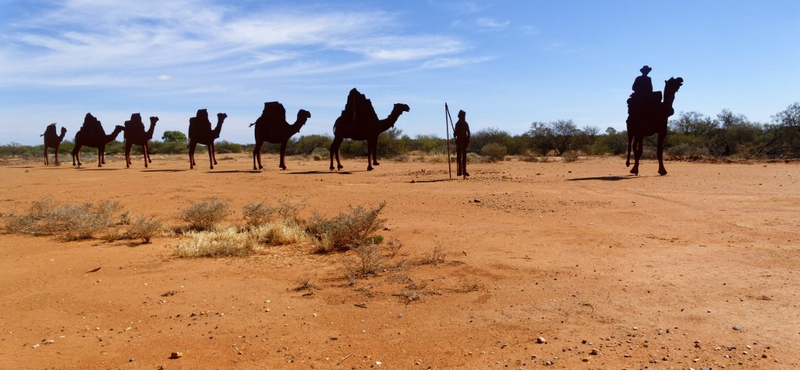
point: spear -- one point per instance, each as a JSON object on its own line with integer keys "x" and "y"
{"x": 447, "y": 128}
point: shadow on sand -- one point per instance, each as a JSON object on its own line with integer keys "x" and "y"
{"x": 319, "y": 173}
{"x": 428, "y": 181}
{"x": 603, "y": 178}
{"x": 235, "y": 171}
{"x": 164, "y": 170}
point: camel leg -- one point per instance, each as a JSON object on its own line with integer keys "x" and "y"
{"x": 146, "y": 155}
{"x": 75, "y": 152}
{"x": 370, "y": 153}
{"x": 630, "y": 140}
{"x": 375, "y": 154}
{"x": 638, "y": 148}
{"x": 257, "y": 155}
{"x": 334, "y": 151}
{"x": 213, "y": 153}
{"x": 211, "y": 160}
{"x": 283, "y": 153}
{"x": 99, "y": 158}
{"x": 192, "y": 147}
{"x": 660, "y": 153}
{"x": 46, "y": 163}
{"x": 128, "y": 154}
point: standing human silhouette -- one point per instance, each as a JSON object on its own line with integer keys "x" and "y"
{"x": 642, "y": 91}
{"x": 461, "y": 133}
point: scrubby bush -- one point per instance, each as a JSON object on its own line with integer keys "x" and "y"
{"x": 144, "y": 228}
{"x": 205, "y": 215}
{"x": 70, "y": 222}
{"x": 494, "y": 151}
{"x": 347, "y": 230}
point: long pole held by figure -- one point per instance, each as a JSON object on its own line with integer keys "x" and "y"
{"x": 447, "y": 128}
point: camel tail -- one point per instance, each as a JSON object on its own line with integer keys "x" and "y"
{"x": 252, "y": 124}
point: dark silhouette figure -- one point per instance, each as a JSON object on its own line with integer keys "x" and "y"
{"x": 52, "y": 140}
{"x": 642, "y": 85}
{"x": 648, "y": 116}
{"x": 92, "y": 134}
{"x": 273, "y": 128}
{"x": 359, "y": 122}
{"x": 136, "y": 135}
{"x": 200, "y": 132}
{"x": 462, "y": 134}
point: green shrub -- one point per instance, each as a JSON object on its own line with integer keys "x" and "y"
{"x": 494, "y": 151}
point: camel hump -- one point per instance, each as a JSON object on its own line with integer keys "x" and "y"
{"x": 274, "y": 113}
{"x": 359, "y": 109}
{"x": 92, "y": 126}
{"x": 50, "y": 130}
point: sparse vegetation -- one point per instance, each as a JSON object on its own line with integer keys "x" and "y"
{"x": 221, "y": 243}
{"x": 347, "y": 230}
{"x": 205, "y": 215}
{"x": 494, "y": 151}
{"x": 257, "y": 214}
{"x": 68, "y": 221}
{"x": 144, "y": 228}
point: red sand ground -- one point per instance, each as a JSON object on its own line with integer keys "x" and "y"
{"x": 612, "y": 271}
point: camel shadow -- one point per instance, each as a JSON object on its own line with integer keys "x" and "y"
{"x": 235, "y": 171}
{"x": 319, "y": 173}
{"x": 428, "y": 181}
{"x": 603, "y": 178}
{"x": 164, "y": 170}
{"x": 97, "y": 169}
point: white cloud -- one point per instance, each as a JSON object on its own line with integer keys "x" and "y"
{"x": 491, "y": 23}
{"x": 165, "y": 78}
{"x": 85, "y": 39}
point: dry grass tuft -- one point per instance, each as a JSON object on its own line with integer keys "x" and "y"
{"x": 277, "y": 233}
{"x": 223, "y": 243}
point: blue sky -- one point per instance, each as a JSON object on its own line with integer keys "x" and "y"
{"x": 506, "y": 63}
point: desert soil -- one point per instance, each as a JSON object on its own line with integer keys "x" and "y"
{"x": 546, "y": 265}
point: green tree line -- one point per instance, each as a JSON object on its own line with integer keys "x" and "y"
{"x": 691, "y": 134}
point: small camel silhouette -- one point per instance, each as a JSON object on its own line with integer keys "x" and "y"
{"x": 136, "y": 135}
{"x": 92, "y": 134}
{"x": 200, "y": 132}
{"x": 649, "y": 120}
{"x": 273, "y": 128}
{"x": 358, "y": 121}
{"x": 52, "y": 140}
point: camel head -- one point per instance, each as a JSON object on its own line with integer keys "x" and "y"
{"x": 153, "y": 120}
{"x": 221, "y": 117}
{"x": 400, "y": 108}
{"x": 673, "y": 84}
{"x": 303, "y": 116}
{"x": 63, "y": 132}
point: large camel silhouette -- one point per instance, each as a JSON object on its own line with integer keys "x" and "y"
{"x": 358, "y": 121}
{"x": 52, "y": 140}
{"x": 92, "y": 135}
{"x": 650, "y": 120}
{"x": 136, "y": 135}
{"x": 273, "y": 128}
{"x": 200, "y": 132}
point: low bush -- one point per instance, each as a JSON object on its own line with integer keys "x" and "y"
{"x": 70, "y": 222}
{"x": 347, "y": 230}
{"x": 494, "y": 151}
{"x": 205, "y": 215}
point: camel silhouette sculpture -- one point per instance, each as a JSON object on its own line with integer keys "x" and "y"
{"x": 92, "y": 135}
{"x": 358, "y": 121}
{"x": 136, "y": 135}
{"x": 52, "y": 140}
{"x": 272, "y": 127}
{"x": 650, "y": 119}
{"x": 200, "y": 132}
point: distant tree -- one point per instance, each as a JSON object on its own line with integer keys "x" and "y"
{"x": 542, "y": 140}
{"x": 564, "y": 132}
{"x": 783, "y": 134}
{"x": 173, "y": 137}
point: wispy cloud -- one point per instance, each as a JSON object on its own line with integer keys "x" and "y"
{"x": 491, "y": 23}
{"x": 116, "y": 41}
